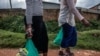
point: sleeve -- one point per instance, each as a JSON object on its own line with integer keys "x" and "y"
{"x": 73, "y": 9}
{"x": 28, "y": 12}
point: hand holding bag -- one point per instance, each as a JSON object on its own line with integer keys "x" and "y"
{"x": 29, "y": 50}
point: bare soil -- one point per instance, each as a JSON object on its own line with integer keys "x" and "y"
{"x": 12, "y": 52}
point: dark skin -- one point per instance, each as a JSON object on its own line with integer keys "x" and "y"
{"x": 85, "y": 22}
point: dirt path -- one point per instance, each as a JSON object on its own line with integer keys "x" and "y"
{"x": 12, "y": 52}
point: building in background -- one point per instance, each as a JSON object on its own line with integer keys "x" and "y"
{"x": 89, "y": 8}
{"x": 51, "y": 10}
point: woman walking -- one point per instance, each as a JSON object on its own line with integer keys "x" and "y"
{"x": 67, "y": 22}
{"x": 35, "y": 26}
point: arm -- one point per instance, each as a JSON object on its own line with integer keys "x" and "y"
{"x": 72, "y": 8}
{"x": 29, "y": 18}
{"x": 28, "y": 12}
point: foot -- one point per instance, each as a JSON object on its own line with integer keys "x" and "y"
{"x": 69, "y": 54}
{"x": 61, "y": 53}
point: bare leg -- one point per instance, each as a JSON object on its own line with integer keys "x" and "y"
{"x": 61, "y": 51}
{"x": 68, "y": 52}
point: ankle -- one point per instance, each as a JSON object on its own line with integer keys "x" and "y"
{"x": 61, "y": 53}
{"x": 67, "y": 50}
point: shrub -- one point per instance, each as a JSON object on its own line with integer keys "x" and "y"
{"x": 94, "y": 25}
{"x": 12, "y": 23}
{"x": 52, "y": 26}
{"x": 16, "y": 24}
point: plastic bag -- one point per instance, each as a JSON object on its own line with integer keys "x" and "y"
{"x": 29, "y": 49}
{"x": 22, "y": 52}
{"x": 59, "y": 37}
{"x": 32, "y": 51}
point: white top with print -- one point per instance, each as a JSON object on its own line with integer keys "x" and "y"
{"x": 33, "y": 8}
{"x": 67, "y": 12}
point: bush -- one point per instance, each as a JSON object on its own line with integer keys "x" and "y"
{"x": 12, "y": 23}
{"x": 94, "y": 25}
{"x": 16, "y": 24}
{"x": 52, "y": 26}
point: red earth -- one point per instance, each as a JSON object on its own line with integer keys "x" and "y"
{"x": 12, "y": 52}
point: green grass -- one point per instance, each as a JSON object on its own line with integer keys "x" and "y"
{"x": 86, "y": 40}
{"x": 89, "y": 40}
{"x": 10, "y": 39}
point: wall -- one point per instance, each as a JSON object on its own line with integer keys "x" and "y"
{"x": 49, "y": 14}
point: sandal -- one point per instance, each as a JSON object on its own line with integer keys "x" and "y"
{"x": 61, "y": 53}
{"x": 70, "y": 54}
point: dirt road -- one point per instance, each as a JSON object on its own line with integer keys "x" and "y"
{"x": 12, "y": 52}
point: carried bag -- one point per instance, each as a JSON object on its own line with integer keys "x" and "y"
{"x": 29, "y": 50}
{"x": 59, "y": 37}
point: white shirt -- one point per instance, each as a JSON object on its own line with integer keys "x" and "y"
{"x": 67, "y": 12}
{"x": 33, "y": 8}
